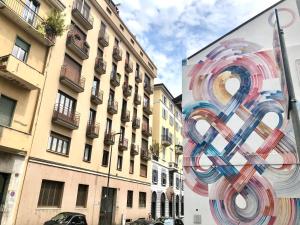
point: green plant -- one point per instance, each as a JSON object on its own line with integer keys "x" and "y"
{"x": 55, "y": 23}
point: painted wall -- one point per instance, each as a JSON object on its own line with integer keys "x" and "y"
{"x": 240, "y": 159}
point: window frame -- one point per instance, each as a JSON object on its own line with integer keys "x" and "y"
{"x": 85, "y": 199}
{"x": 59, "y": 137}
{"x": 48, "y": 200}
{"x": 142, "y": 199}
{"x": 13, "y": 109}
{"x": 129, "y": 203}
{"x": 26, "y": 53}
{"x": 89, "y": 153}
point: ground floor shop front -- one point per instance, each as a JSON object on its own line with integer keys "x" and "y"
{"x": 50, "y": 189}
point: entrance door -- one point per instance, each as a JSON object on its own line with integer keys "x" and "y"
{"x": 107, "y": 210}
{"x": 153, "y": 205}
{"x": 4, "y": 181}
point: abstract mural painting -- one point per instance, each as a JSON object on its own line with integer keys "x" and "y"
{"x": 240, "y": 154}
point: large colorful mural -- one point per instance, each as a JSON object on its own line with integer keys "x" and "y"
{"x": 240, "y": 157}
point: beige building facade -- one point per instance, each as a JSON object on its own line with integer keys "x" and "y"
{"x": 167, "y": 197}
{"x": 77, "y": 108}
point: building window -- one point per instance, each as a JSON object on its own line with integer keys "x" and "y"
{"x": 171, "y": 120}
{"x": 131, "y": 166}
{"x": 164, "y": 153}
{"x": 165, "y": 100}
{"x": 51, "y": 194}
{"x": 21, "y": 50}
{"x": 87, "y": 153}
{"x": 105, "y": 158}
{"x": 7, "y": 109}
{"x": 65, "y": 104}
{"x": 164, "y": 114}
{"x": 176, "y": 126}
{"x": 129, "y": 199}
{"x": 154, "y": 176}
{"x": 163, "y": 179}
{"x": 59, "y": 144}
{"x": 143, "y": 171}
{"x": 171, "y": 107}
{"x": 177, "y": 183}
{"x": 82, "y": 195}
{"x": 142, "y": 199}
{"x": 120, "y": 162}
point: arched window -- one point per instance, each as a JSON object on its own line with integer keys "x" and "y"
{"x": 177, "y": 205}
{"x": 153, "y": 205}
{"x": 163, "y": 205}
{"x": 182, "y": 205}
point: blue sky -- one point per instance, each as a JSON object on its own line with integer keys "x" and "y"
{"x": 170, "y": 30}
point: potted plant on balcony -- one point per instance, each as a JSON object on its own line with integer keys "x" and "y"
{"x": 53, "y": 26}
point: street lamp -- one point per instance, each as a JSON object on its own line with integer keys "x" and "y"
{"x": 108, "y": 177}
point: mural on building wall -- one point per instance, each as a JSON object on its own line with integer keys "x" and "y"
{"x": 240, "y": 152}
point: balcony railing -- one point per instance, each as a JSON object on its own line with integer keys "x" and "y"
{"x": 117, "y": 53}
{"x": 137, "y": 99}
{"x": 147, "y": 109}
{"x": 71, "y": 79}
{"x": 125, "y": 117}
{"x": 138, "y": 76}
{"x": 80, "y": 47}
{"x": 115, "y": 79}
{"x": 173, "y": 166}
{"x": 100, "y": 66}
{"x": 166, "y": 140}
{"x": 145, "y": 154}
{"x": 92, "y": 130}
{"x": 134, "y": 150}
{"x": 112, "y": 107}
{"x": 136, "y": 123}
{"x": 128, "y": 66}
{"x": 103, "y": 38}
{"x": 18, "y": 12}
{"x": 83, "y": 16}
{"x": 127, "y": 90}
{"x": 66, "y": 117}
{"x": 146, "y": 130}
{"x": 109, "y": 138}
{"x": 96, "y": 96}
{"x": 148, "y": 89}
{"x": 178, "y": 149}
{"x": 123, "y": 144}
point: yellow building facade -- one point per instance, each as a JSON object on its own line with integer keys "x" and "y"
{"x": 167, "y": 180}
{"x": 74, "y": 110}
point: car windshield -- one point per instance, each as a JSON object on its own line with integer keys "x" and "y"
{"x": 62, "y": 217}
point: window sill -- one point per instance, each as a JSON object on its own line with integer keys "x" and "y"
{"x": 48, "y": 208}
{"x": 104, "y": 165}
{"x": 87, "y": 161}
{"x": 57, "y": 153}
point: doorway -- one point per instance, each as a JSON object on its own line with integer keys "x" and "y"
{"x": 107, "y": 209}
{"x": 4, "y": 181}
{"x": 153, "y": 205}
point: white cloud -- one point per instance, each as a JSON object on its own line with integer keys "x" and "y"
{"x": 171, "y": 30}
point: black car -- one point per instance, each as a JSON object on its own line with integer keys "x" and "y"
{"x": 141, "y": 222}
{"x": 67, "y": 218}
{"x": 165, "y": 221}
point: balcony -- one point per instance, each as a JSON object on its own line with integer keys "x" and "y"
{"x": 103, "y": 39}
{"x": 148, "y": 89}
{"x": 78, "y": 46}
{"x": 125, "y": 117}
{"x": 147, "y": 109}
{"x": 82, "y": 16}
{"x": 92, "y": 130}
{"x": 123, "y": 144}
{"x": 58, "y": 5}
{"x": 145, "y": 154}
{"x": 27, "y": 19}
{"x": 127, "y": 90}
{"x": 134, "y": 150}
{"x": 178, "y": 149}
{"x": 65, "y": 117}
{"x": 115, "y": 79}
{"x": 96, "y": 96}
{"x": 146, "y": 130}
{"x": 136, "y": 123}
{"x": 109, "y": 138}
{"x": 117, "y": 53}
{"x": 128, "y": 66}
{"x": 112, "y": 107}
{"x": 137, "y": 99}
{"x": 138, "y": 77}
{"x": 166, "y": 140}
{"x": 19, "y": 73}
{"x": 173, "y": 167}
{"x": 71, "y": 80}
{"x": 100, "y": 66}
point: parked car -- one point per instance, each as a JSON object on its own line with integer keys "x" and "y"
{"x": 67, "y": 218}
{"x": 141, "y": 222}
{"x": 168, "y": 221}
